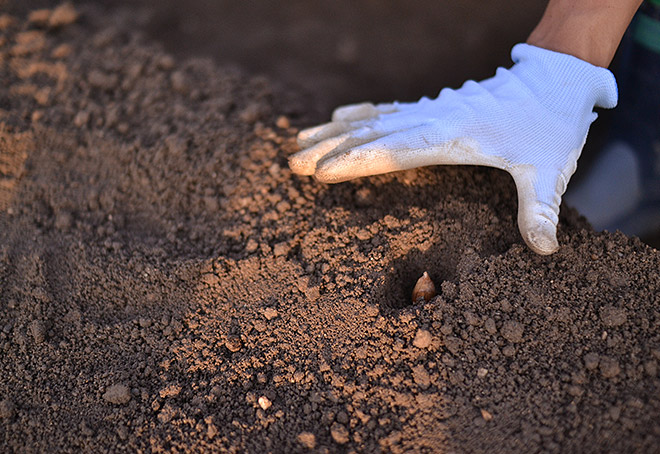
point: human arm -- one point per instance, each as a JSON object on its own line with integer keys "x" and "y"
{"x": 590, "y": 30}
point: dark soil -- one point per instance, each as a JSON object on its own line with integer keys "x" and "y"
{"x": 166, "y": 284}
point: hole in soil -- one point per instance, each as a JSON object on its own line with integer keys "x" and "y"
{"x": 395, "y": 293}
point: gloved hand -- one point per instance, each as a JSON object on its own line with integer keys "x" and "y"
{"x": 530, "y": 120}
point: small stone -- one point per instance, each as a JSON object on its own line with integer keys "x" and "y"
{"x": 64, "y": 14}
{"x": 6, "y": 409}
{"x": 251, "y": 246}
{"x": 102, "y": 80}
{"x": 166, "y": 62}
{"x": 342, "y": 417}
{"x": 264, "y": 402}
{"x": 122, "y": 432}
{"x": 283, "y": 122}
{"x": 37, "y": 331}
{"x": 270, "y": 313}
{"x": 486, "y": 415}
{"x": 509, "y": 351}
{"x": 591, "y": 361}
{"x": 233, "y": 344}
{"x": 615, "y": 413}
{"x": 609, "y": 367}
{"x": 613, "y": 316}
{"x": 61, "y": 51}
{"x": 575, "y": 391}
{"x": 117, "y": 394}
{"x": 424, "y": 288}
{"x": 179, "y": 82}
{"x": 481, "y": 372}
{"x": 81, "y": 119}
{"x": 651, "y": 368}
{"x": 421, "y": 376}
{"x": 339, "y": 433}
{"x": 422, "y": 339}
{"x": 166, "y": 414}
{"x": 170, "y": 391}
{"x": 307, "y": 439}
{"x": 371, "y": 310}
{"x": 63, "y": 220}
{"x": 489, "y": 324}
{"x": 512, "y": 331}
{"x": 39, "y": 17}
{"x": 281, "y": 249}
{"x": 211, "y": 203}
{"x": 251, "y": 113}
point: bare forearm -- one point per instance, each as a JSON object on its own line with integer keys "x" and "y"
{"x": 588, "y": 29}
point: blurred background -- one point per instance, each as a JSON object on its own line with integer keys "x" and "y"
{"x": 340, "y": 51}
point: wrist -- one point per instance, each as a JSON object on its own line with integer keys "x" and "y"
{"x": 590, "y": 30}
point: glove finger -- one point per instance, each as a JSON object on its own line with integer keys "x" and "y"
{"x": 304, "y": 162}
{"x": 399, "y": 151}
{"x": 311, "y": 136}
{"x": 538, "y": 215}
{"x": 363, "y": 111}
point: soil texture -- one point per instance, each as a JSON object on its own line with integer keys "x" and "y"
{"x": 166, "y": 284}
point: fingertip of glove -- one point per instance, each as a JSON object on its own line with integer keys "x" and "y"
{"x": 542, "y": 238}
{"x": 301, "y": 166}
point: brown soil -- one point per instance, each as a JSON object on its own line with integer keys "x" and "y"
{"x": 166, "y": 284}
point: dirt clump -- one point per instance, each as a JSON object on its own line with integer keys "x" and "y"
{"x": 168, "y": 286}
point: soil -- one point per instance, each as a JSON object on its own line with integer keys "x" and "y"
{"x": 166, "y": 284}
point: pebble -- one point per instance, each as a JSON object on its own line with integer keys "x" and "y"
{"x": 39, "y": 17}
{"x": 64, "y": 14}
{"x": 339, "y": 433}
{"x": 270, "y": 313}
{"x": 264, "y": 402}
{"x": 117, "y": 394}
{"x": 422, "y": 339}
{"x": 342, "y": 417}
{"x": 613, "y": 316}
{"x": 63, "y": 220}
{"x": 609, "y": 367}
{"x": 101, "y": 80}
{"x": 512, "y": 331}
{"x": 509, "y": 351}
{"x": 486, "y": 415}
{"x": 37, "y": 331}
{"x": 251, "y": 246}
{"x": 591, "y": 361}
{"x": 421, "y": 376}
{"x": 307, "y": 439}
{"x": 61, "y": 51}
{"x": 6, "y": 409}
{"x": 169, "y": 391}
{"x": 489, "y": 324}
{"x": 179, "y": 82}
{"x": 283, "y": 122}
{"x": 281, "y": 249}
{"x": 233, "y": 344}
{"x": 481, "y": 372}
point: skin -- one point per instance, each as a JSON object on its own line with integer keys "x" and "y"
{"x": 588, "y": 29}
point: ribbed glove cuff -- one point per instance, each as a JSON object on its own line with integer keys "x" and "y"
{"x": 580, "y": 85}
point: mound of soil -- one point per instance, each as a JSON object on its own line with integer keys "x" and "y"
{"x": 166, "y": 284}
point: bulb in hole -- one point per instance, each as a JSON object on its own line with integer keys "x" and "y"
{"x": 424, "y": 288}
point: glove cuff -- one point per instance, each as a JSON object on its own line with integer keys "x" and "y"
{"x": 563, "y": 83}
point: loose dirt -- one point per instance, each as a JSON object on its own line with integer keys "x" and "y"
{"x": 166, "y": 284}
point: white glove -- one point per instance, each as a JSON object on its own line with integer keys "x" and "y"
{"x": 531, "y": 120}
